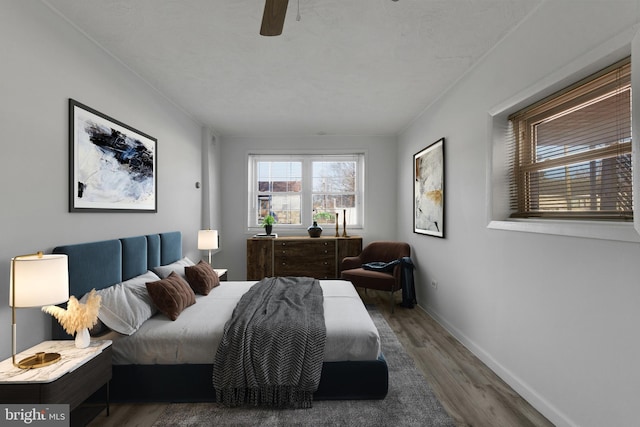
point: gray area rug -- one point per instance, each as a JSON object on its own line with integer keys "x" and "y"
{"x": 410, "y": 402}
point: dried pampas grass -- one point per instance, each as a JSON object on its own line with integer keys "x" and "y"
{"x": 77, "y": 316}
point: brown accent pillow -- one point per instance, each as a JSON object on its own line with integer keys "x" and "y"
{"x": 171, "y": 295}
{"x": 202, "y": 278}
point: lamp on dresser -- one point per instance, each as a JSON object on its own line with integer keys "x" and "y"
{"x": 208, "y": 240}
{"x": 37, "y": 280}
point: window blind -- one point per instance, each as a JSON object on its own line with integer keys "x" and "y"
{"x": 570, "y": 154}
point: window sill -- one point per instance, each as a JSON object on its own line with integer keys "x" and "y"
{"x": 624, "y": 232}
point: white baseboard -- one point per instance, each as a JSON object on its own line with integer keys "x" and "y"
{"x": 536, "y": 400}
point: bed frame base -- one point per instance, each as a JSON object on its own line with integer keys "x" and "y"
{"x": 193, "y": 383}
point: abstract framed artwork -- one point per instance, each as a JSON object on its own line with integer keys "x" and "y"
{"x": 428, "y": 190}
{"x": 112, "y": 165}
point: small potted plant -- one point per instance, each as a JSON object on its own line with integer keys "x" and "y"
{"x": 267, "y": 223}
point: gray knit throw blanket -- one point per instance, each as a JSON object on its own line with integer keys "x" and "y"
{"x": 272, "y": 347}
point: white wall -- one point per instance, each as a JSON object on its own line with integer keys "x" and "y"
{"x": 561, "y": 328}
{"x": 44, "y": 63}
{"x": 380, "y": 206}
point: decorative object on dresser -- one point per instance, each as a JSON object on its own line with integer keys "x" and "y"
{"x": 299, "y": 256}
{"x": 344, "y": 223}
{"x": 113, "y": 167}
{"x": 78, "y": 318}
{"x": 315, "y": 230}
{"x": 208, "y": 240}
{"x": 36, "y": 280}
{"x": 267, "y": 223}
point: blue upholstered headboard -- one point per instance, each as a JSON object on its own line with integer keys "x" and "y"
{"x": 102, "y": 264}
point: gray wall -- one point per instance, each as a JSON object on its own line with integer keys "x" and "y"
{"x": 44, "y": 62}
{"x": 561, "y": 328}
{"x": 380, "y": 204}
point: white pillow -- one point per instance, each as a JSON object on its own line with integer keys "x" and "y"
{"x": 125, "y": 306}
{"x": 165, "y": 270}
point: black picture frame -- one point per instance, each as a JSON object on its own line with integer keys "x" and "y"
{"x": 428, "y": 190}
{"x": 112, "y": 166}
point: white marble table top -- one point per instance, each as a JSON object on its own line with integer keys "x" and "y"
{"x": 71, "y": 359}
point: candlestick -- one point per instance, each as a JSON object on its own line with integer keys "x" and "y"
{"x": 337, "y": 233}
{"x": 344, "y": 223}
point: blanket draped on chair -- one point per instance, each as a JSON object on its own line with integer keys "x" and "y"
{"x": 406, "y": 277}
{"x": 272, "y": 347}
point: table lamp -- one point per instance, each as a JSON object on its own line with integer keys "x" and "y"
{"x": 207, "y": 240}
{"x": 37, "y": 280}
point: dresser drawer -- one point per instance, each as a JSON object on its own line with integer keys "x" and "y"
{"x": 305, "y": 248}
{"x": 312, "y": 258}
{"x": 320, "y": 267}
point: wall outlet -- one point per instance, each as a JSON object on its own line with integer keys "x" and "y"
{"x": 434, "y": 284}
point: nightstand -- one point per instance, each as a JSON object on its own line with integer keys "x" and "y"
{"x": 79, "y": 374}
{"x": 222, "y": 273}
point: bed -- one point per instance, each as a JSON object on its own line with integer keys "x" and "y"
{"x": 148, "y": 368}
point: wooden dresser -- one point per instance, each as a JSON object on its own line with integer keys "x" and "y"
{"x": 317, "y": 257}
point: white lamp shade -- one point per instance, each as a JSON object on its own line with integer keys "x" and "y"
{"x": 39, "y": 280}
{"x": 207, "y": 239}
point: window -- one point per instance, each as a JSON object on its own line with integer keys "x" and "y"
{"x": 570, "y": 154}
{"x": 299, "y": 189}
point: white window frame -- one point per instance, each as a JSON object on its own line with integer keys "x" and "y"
{"x": 306, "y": 210}
{"x": 497, "y": 207}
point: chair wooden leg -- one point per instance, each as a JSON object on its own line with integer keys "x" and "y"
{"x": 391, "y": 302}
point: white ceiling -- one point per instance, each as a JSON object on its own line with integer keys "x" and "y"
{"x": 347, "y": 67}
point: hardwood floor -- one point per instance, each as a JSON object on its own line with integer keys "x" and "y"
{"x": 471, "y": 393}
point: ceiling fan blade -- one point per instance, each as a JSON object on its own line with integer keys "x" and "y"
{"x": 273, "y": 17}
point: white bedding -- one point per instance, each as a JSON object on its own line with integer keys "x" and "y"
{"x": 194, "y": 337}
